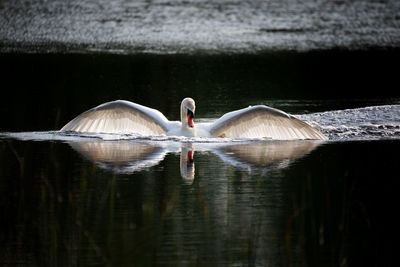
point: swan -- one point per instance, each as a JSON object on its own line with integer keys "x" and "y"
{"x": 259, "y": 121}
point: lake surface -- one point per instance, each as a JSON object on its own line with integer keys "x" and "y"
{"x": 125, "y": 200}
{"x": 333, "y": 206}
{"x": 188, "y": 26}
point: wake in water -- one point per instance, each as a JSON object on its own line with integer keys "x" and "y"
{"x": 368, "y": 123}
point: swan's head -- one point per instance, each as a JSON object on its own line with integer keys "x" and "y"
{"x": 187, "y": 111}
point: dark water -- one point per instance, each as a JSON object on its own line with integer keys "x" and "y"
{"x": 335, "y": 206}
{"x": 45, "y": 91}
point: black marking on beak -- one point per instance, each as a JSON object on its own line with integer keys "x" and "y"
{"x": 190, "y": 114}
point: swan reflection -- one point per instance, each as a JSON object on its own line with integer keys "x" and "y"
{"x": 120, "y": 156}
{"x": 187, "y": 162}
{"x": 271, "y": 154}
{"x": 131, "y": 156}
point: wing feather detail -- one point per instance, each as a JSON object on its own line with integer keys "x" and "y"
{"x": 119, "y": 117}
{"x": 263, "y": 122}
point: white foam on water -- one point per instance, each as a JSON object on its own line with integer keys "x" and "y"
{"x": 367, "y": 123}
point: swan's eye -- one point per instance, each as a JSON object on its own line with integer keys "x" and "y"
{"x": 190, "y": 114}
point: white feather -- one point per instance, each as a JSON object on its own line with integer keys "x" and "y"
{"x": 120, "y": 117}
{"x": 263, "y": 122}
{"x": 253, "y": 122}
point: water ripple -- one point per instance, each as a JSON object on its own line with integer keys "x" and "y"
{"x": 368, "y": 123}
{"x": 119, "y": 26}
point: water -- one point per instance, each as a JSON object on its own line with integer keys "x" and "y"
{"x": 183, "y": 26}
{"x": 94, "y": 202}
{"x": 116, "y": 200}
{"x": 120, "y": 199}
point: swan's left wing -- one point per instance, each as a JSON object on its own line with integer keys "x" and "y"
{"x": 120, "y": 117}
{"x": 263, "y": 122}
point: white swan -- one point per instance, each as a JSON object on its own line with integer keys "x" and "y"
{"x": 253, "y": 122}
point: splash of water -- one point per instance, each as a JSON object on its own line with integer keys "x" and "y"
{"x": 368, "y": 123}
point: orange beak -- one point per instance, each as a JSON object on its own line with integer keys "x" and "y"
{"x": 190, "y": 121}
{"x": 190, "y": 117}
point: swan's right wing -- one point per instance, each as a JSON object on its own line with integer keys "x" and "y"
{"x": 119, "y": 117}
{"x": 263, "y": 122}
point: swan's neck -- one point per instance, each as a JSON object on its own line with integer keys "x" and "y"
{"x": 184, "y": 120}
{"x": 185, "y": 129}
{"x": 183, "y": 117}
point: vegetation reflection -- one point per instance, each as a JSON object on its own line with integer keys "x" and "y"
{"x": 118, "y": 212}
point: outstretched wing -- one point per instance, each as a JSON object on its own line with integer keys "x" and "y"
{"x": 119, "y": 117}
{"x": 262, "y": 121}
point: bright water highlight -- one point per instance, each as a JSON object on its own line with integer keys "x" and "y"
{"x": 228, "y": 26}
